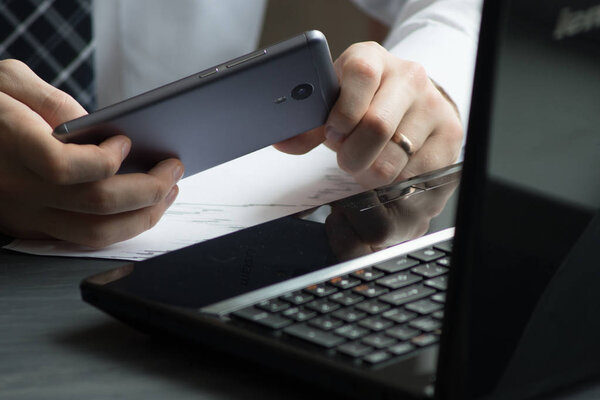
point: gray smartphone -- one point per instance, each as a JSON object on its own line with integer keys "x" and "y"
{"x": 223, "y": 112}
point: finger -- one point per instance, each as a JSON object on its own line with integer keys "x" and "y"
{"x": 359, "y": 73}
{"x": 32, "y": 144}
{"x": 368, "y": 139}
{"x": 21, "y": 83}
{"x": 69, "y": 163}
{"x": 442, "y": 148}
{"x": 98, "y": 231}
{"x": 117, "y": 194}
{"x": 385, "y": 169}
{"x": 344, "y": 242}
{"x": 302, "y": 143}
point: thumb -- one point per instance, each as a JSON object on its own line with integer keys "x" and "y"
{"x": 303, "y": 142}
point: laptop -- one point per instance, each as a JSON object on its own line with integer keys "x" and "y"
{"x": 476, "y": 281}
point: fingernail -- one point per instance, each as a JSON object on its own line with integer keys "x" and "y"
{"x": 177, "y": 172}
{"x": 125, "y": 147}
{"x": 333, "y": 135}
{"x": 172, "y": 195}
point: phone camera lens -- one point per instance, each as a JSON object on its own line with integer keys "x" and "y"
{"x": 302, "y": 91}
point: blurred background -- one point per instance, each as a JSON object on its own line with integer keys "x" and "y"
{"x": 340, "y": 20}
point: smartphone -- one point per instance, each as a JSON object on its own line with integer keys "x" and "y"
{"x": 223, "y": 112}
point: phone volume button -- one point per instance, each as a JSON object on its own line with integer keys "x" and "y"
{"x": 209, "y": 72}
{"x": 248, "y": 57}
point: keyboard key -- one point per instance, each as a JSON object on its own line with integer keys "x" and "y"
{"x": 298, "y": 297}
{"x": 325, "y": 323}
{"x": 426, "y": 324}
{"x": 441, "y": 282}
{"x": 377, "y": 357}
{"x": 320, "y": 290}
{"x": 399, "y": 315}
{"x": 274, "y": 321}
{"x": 261, "y": 317}
{"x": 444, "y": 262}
{"x": 407, "y": 294}
{"x": 354, "y": 349}
{"x": 427, "y": 255}
{"x": 314, "y": 335}
{"x": 439, "y": 297}
{"x": 399, "y": 280}
{"x": 346, "y": 298}
{"x": 397, "y": 264}
{"x": 425, "y": 339}
{"x": 352, "y": 331}
{"x": 373, "y": 306}
{"x": 344, "y": 282}
{"x": 370, "y": 290}
{"x": 273, "y": 305}
{"x": 378, "y": 340}
{"x": 402, "y": 332}
{"x": 424, "y": 306}
{"x": 376, "y": 323}
{"x": 349, "y": 314}
{"x": 323, "y": 306}
{"x": 401, "y": 348}
{"x": 444, "y": 246}
{"x": 367, "y": 274}
{"x": 429, "y": 270}
{"x": 299, "y": 314}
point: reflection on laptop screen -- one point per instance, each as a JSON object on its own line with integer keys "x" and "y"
{"x": 533, "y": 323}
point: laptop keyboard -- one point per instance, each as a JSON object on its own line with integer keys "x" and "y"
{"x": 372, "y": 315}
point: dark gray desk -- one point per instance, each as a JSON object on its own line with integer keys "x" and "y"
{"x": 54, "y": 346}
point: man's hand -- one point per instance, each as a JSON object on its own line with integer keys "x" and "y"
{"x": 49, "y": 189}
{"x": 354, "y": 232}
{"x": 382, "y": 97}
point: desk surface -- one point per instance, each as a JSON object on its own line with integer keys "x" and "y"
{"x": 54, "y": 346}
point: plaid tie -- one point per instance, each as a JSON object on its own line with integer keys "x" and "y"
{"x": 54, "y": 38}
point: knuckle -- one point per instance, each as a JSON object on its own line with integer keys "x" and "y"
{"x": 347, "y": 116}
{"x": 362, "y": 68}
{"x": 10, "y": 66}
{"x": 416, "y": 75}
{"x": 384, "y": 171}
{"x": 101, "y": 201}
{"x": 378, "y": 124}
{"x": 53, "y": 101}
{"x": 434, "y": 100}
{"x": 368, "y": 45}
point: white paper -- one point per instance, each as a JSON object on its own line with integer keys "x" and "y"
{"x": 256, "y": 188}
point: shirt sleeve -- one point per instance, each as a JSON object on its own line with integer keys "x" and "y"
{"x": 441, "y": 35}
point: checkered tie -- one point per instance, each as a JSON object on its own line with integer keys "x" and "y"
{"x": 53, "y": 37}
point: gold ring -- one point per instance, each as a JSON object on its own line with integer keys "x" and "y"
{"x": 404, "y": 143}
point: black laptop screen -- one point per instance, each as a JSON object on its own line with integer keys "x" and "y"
{"x": 533, "y": 257}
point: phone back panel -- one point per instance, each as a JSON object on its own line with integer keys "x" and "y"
{"x": 210, "y": 118}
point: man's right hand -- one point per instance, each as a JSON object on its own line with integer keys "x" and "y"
{"x": 49, "y": 189}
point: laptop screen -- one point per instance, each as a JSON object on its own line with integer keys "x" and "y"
{"x": 530, "y": 264}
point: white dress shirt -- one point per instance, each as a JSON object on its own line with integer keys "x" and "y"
{"x": 142, "y": 44}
